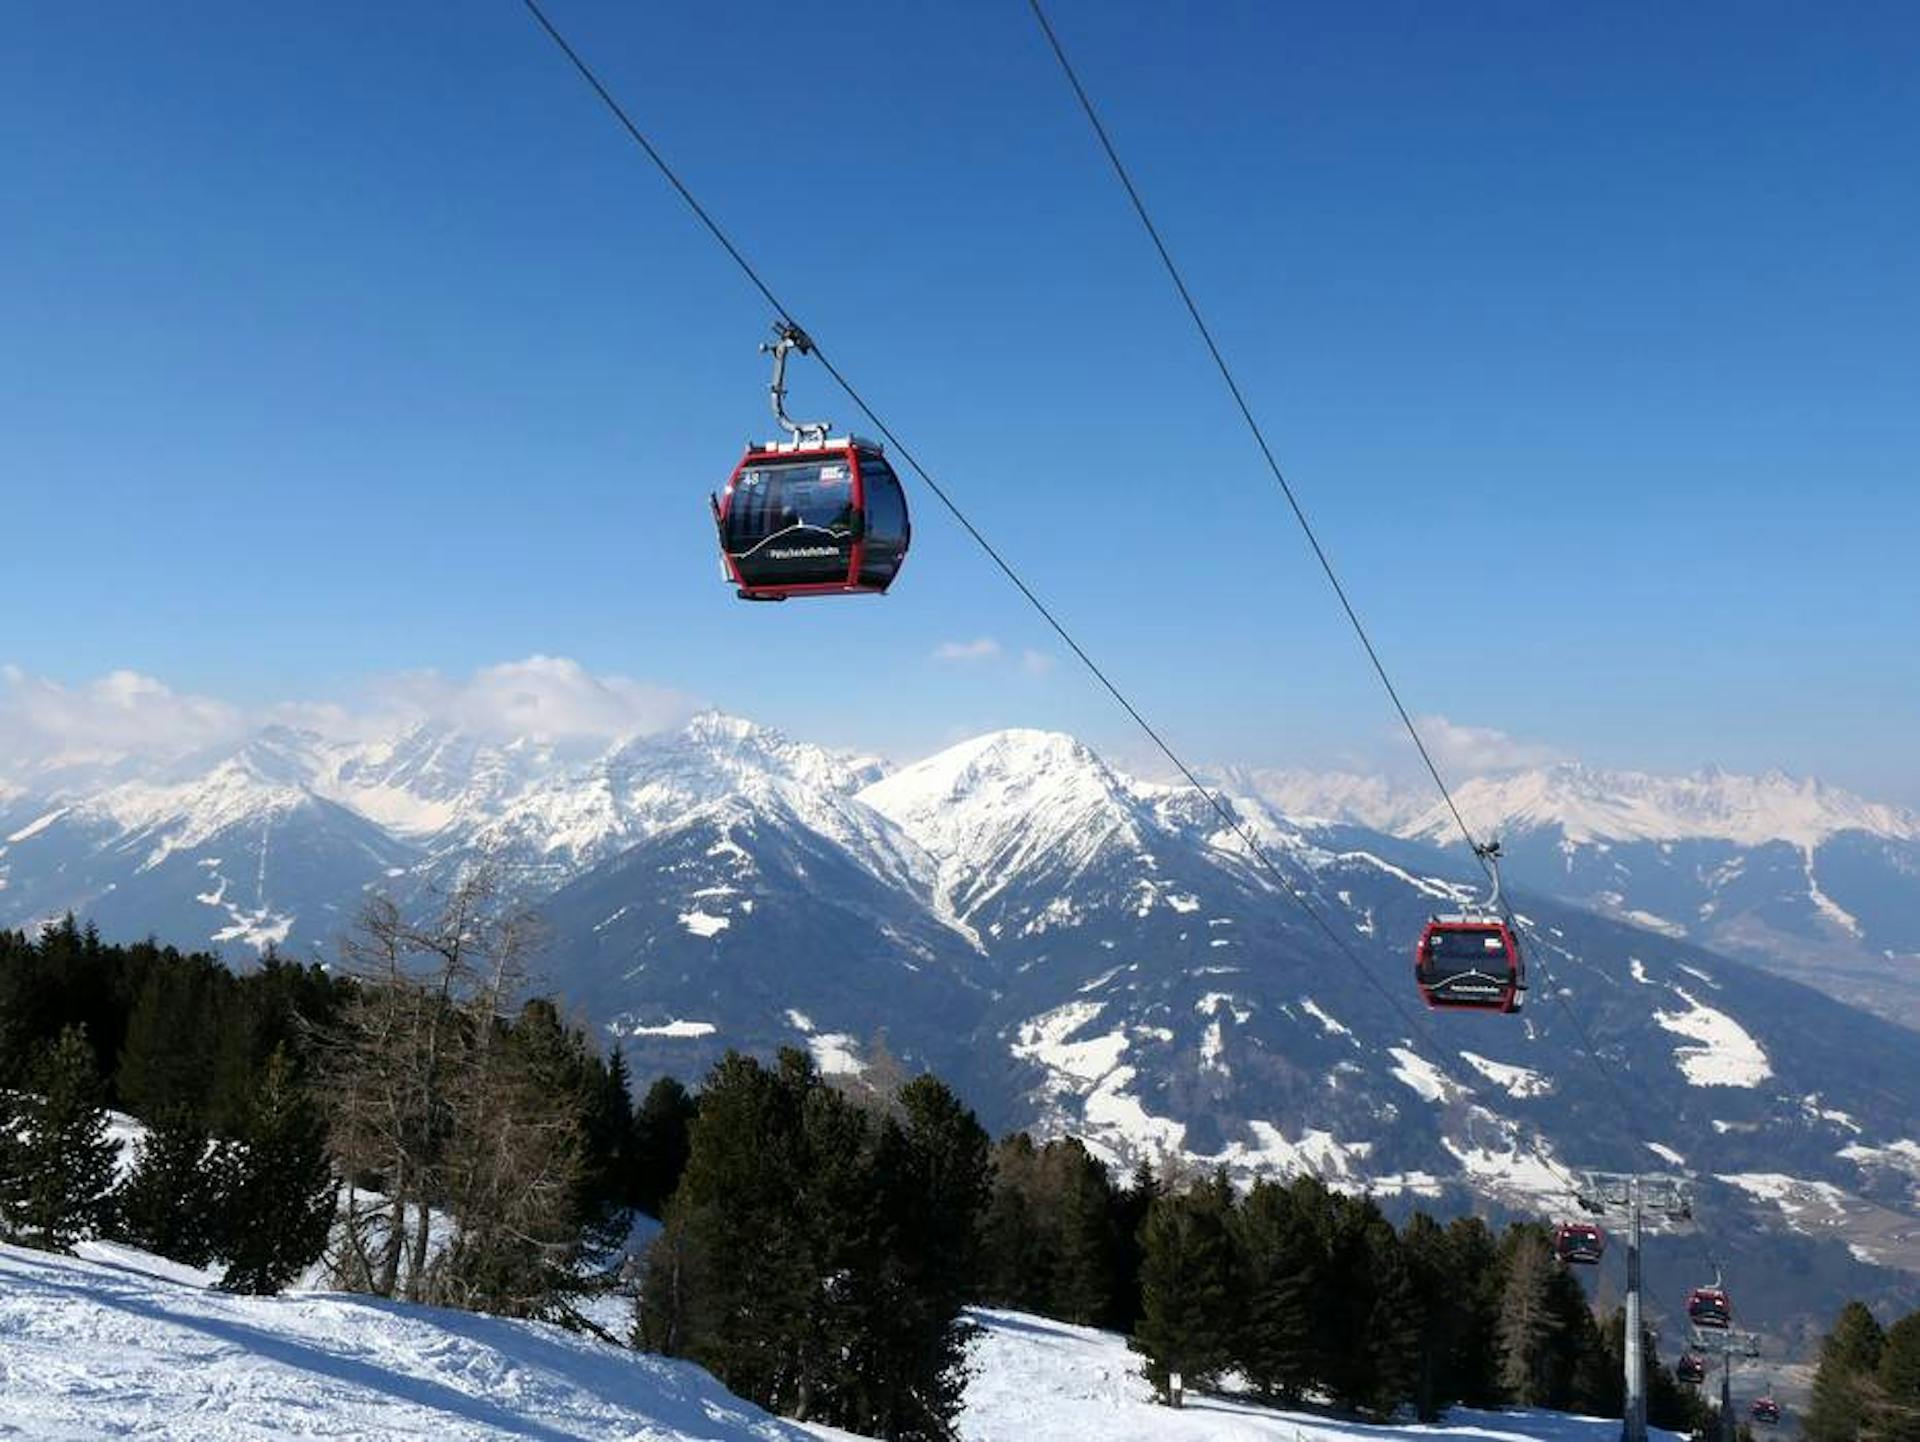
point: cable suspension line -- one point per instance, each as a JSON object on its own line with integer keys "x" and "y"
{"x": 1227, "y": 815}
{"x": 1479, "y": 850}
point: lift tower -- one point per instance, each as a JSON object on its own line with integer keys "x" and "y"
{"x": 1632, "y": 1195}
{"x": 1726, "y": 1345}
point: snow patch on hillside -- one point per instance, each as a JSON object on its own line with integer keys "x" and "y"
{"x": 834, "y": 1053}
{"x": 702, "y": 923}
{"x": 676, "y": 1029}
{"x": 1327, "y": 1024}
{"x": 1519, "y": 1081}
{"x": 1317, "y": 1153}
{"x": 1726, "y": 1054}
{"x": 1414, "y": 1071}
{"x": 1901, "y": 1156}
{"x": 1808, "y": 1206}
{"x": 38, "y": 824}
{"x": 1115, "y": 1124}
{"x": 1825, "y": 904}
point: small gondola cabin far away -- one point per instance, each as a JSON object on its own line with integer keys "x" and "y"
{"x": 813, "y": 515}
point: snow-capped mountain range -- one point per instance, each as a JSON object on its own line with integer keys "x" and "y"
{"x": 1805, "y": 879}
{"x": 1085, "y": 952}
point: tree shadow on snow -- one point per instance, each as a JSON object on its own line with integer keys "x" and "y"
{"x": 307, "y": 1358}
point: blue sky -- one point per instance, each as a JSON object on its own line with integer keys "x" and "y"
{"x": 352, "y": 339}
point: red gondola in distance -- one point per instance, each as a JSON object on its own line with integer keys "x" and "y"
{"x": 1579, "y": 1243}
{"x": 812, "y": 515}
{"x": 1710, "y": 1307}
{"x": 1691, "y": 1368}
{"x": 1765, "y": 1411}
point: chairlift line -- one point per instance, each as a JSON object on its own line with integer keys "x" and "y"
{"x": 1490, "y": 997}
{"x": 1235, "y": 824}
{"x": 806, "y": 441}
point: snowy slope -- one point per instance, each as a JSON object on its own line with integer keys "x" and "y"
{"x": 122, "y": 1344}
{"x": 1037, "y": 1380}
{"x": 97, "y": 1348}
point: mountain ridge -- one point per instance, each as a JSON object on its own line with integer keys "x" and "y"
{"x": 1081, "y": 951}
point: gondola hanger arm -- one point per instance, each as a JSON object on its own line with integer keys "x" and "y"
{"x": 790, "y": 338}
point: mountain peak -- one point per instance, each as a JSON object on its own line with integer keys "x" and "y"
{"x": 1589, "y": 804}
{"x": 713, "y": 725}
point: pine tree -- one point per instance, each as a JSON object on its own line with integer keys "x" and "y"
{"x": 931, "y": 1162}
{"x": 1526, "y": 1328}
{"x": 1019, "y": 1253}
{"x": 1444, "y": 1300}
{"x": 607, "y": 1145}
{"x": 1275, "y": 1265}
{"x": 1844, "y": 1387}
{"x": 1187, "y": 1293}
{"x": 662, "y": 1128}
{"x": 1130, "y": 1217}
{"x": 1086, "y": 1284}
{"x": 1899, "y": 1378}
{"x": 1395, "y": 1321}
{"x": 1474, "y": 1363}
{"x": 729, "y": 1280}
{"x": 279, "y": 1186}
{"x": 165, "y": 1062}
{"x": 64, "y": 1160}
{"x": 171, "y": 1203}
{"x": 13, "y": 1166}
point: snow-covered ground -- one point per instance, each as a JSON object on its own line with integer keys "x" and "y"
{"x": 117, "y": 1343}
{"x": 1043, "y": 1381}
{"x": 104, "y": 1347}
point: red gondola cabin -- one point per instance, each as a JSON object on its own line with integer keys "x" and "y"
{"x": 1469, "y": 963}
{"x": 1691, "y": 1368}
{"x": 1765, "y": 1411}
{"x": 812, "y": 518}
{"x": 1580, "y": 1243}
{"x": 1710, "y": 1307}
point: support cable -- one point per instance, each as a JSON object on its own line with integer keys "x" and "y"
{"x": 1134, "y": 197}
{"x": 1234, "y": 823}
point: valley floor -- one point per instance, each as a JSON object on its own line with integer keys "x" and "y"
{"x": 117, "y": 1343}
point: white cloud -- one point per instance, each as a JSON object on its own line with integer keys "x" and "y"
{"x": 984, "y": 649}
{"x": 549, "y": 698}
{"x": 1476, "y": 750}
{"x": 125, "y": 715}
{"x": 122, "y": 713}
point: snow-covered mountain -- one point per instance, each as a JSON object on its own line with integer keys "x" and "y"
{"x": 1588, "y": 805}
{"x": 277, "y": 840}
{"x": 1806, "y": 879}
{"x": 1085, "y": 952}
